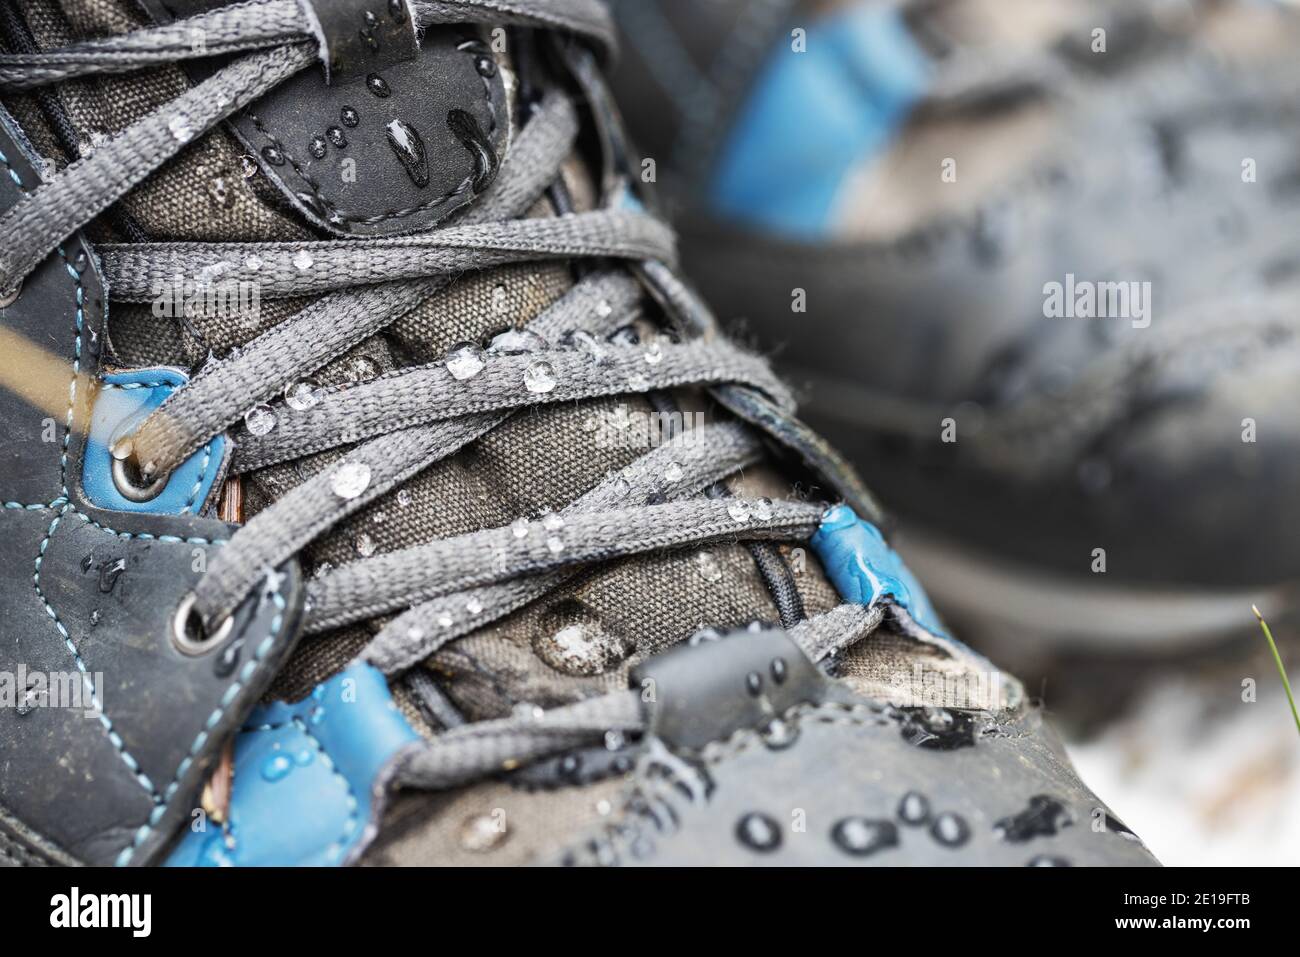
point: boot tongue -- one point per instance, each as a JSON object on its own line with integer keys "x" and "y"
{"x": 393, "y": 137}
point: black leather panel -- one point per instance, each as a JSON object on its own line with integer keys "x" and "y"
{"x": 87, "y": 597}
{"x": 34, "y": 409}
{"x": 362, "y": 36}
{"x": 395, "y": 150}
{"x": 755, "y": 757}
{"x": 840, "y": 784}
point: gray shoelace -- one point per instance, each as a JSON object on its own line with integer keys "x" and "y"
{"x": 401, "y": 423}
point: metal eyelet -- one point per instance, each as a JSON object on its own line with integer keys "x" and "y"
{"x": 187, "y": 630}
{"x": 9, "y": 297}
{"x": 131, "y": 486}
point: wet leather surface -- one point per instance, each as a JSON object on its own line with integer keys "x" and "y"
{"x": 380, "y": 152}
{"x": 741, "y": 768}
{"x": 87, "y": 596}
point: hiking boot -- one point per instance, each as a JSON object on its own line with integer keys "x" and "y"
{"x": 403, "y": 463}
{"x": 1031, "y": 265}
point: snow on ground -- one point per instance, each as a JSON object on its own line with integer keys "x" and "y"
{"x": 1201, "y": 775}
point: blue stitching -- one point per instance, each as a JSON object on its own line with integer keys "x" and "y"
{"x": 4, "y": 161}
{"x": 65, "y": 506}
{"x": 113, "y": 736}
{"x": 57, "y": 503}
{"x": 245, "y": 673}
{"x": 145, "y": 536}
{"x": 354, "y": 819}
{"x": 203, "y": 473}
{"x": 349, "y": 826}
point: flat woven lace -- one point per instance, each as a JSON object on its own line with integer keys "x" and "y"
{"x": 401, "y": 423}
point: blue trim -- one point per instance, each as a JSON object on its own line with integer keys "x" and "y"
{"x": 307, "y": 779}
{"x": 864, "y": 569}
{"x": 124, "y": 400}
{"x": 814, "y": 116}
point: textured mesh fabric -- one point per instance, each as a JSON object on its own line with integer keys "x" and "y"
{"x": 578, "y": 639}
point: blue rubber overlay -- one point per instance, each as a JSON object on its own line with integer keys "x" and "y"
{"x": 124, "y": 401}
{"x": 307, "y": 778}
{"x": 814, "y": 116}
{"x": 865, "y": 570}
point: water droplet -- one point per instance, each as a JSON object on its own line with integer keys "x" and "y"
{"x": 754, "y": 684}
{"x": 318, "y": 147}
{"x": 276, "y": 767}
{"x": 779, "y": 734}
{"x": 482, "y": 833}
{"x": 516, "y": 342}
{"x": 604, "y": 309}
{"x": 555, "y": 545}
{"x": 404, "y": 498}
{"x": 621, "y": 487}
{"x": 539, "y": 378}
{"x": 654, "y": 353}
{"x": 378, "y": 86}
{"x": 349, "y": 117}
{"x": 588, "y": 345}
{"x": 464, "y": 361}
{"x": 302, "y": 260}
{"x": 179, "y": 127}
{"x": 224, "y": 664}
{"x": 520, "y": 527}
{"x": 590, "y": 424}
{"x": 109, "y": 573}
{"x": 500, "y": 298}
{"x": 738, "y": 511}
{"x": 350, "y": 479}
{"x": 364, "y": 369}
{"x": 938, "y": 729}
{"x": 259, "y": 420}
{"x": 552, "y": 522}
{"x": 409, "y": 149}
{"x": 914, "y": 808}
{"x": 364, "y": 544}
{"x": 950, "y": 830}
{"x": 336, "y": 136}
{"x": 247, "y": 166}
{"x": 861, "y": 836}
{"x": 708, "y": 566}
{"x": 1044, "y": 816}
{"x": 273, "y": 155}
{"x": 779, "y": 670}
{"x": 673, "y": 473}
{"x": 254, "y": 263}
{"x": 445, "y": 621}
{"x": 474, "y": 606}
{"x": 219, "y": 193}
{"x": 465, "y": 127}
{"x": 300, "y": 396}
{"x": 614, "y": 740}
{"x": 758, "y": 832}
{"x": 486, "y": 66}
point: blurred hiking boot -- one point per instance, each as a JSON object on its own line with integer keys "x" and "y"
{"x": 1033, "y": 265}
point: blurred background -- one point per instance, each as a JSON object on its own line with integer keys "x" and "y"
{"x": 917, "y": 173}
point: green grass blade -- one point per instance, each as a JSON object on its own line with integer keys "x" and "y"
{"x": 1280, "y": 669}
